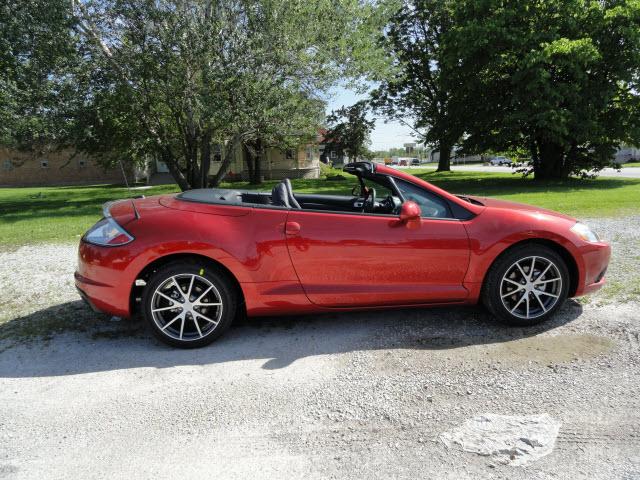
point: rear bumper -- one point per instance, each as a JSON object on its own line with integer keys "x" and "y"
{"x": 102, "y": 279}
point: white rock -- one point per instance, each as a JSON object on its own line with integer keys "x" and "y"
{"x": 513, "y": 440}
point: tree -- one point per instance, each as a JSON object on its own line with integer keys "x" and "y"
{"x": 559, "y": 78}
{"x": 176, "y": 79}
{"x": 423, "y": 89}
{"x": 37, "y": 58}
{"x": 349, "y": 130}
{"x": 171, "y": 79}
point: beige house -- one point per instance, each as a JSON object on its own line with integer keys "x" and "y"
{"x": 21, "y": 169}
{"x": 303, "y": 162}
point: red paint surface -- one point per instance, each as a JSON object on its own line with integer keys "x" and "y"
{"x": 296, "y": 261}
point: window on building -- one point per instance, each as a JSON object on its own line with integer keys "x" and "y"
{"x": 217, "y": 153}
{"x": 334, "y": 154}
{"x": 288, "y": 154}
{"x": 82, "y": 163}
{"x": 309, "y": 154}
{"x": 7, "y": 165}
{"x": 44, "y": 163}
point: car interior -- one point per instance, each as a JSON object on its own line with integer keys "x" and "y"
{"x": 373, "y": 194}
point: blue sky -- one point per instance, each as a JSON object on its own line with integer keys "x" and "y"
{"x": 385, "y": 135}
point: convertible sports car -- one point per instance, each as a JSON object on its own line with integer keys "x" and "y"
{"x": 191, "y": 262}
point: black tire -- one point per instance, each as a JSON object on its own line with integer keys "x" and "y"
{"x": 494, "y": 290}
{"x": 195, "y": 330}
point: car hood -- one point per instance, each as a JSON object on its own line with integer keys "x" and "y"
{"x": 507, "y": 205}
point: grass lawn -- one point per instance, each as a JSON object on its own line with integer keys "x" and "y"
{"x": 60, "y": 214}
{"x": 631, "y": 164}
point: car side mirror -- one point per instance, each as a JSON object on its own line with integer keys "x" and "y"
{"x": 409, "y": 211}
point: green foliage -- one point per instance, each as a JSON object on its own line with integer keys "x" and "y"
{"x": 424, "y": 84}
{"x": 37, "y": 57}
{"x": 349, "y": 131}
{"x": 174, "y": 80}
{"x": 559, "y": 78}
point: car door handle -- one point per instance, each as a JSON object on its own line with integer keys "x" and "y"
{"x": 292, "y": 228}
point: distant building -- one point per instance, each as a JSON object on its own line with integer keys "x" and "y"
{"x": 22, "y": 169}
{"x": 627, "y": 154}
{"x": 303, "y": 162}
{"x": 330, "y": 152}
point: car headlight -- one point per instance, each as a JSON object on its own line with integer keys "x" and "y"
{"x": 584, "y": 232}
{"x": 107, "y": 233}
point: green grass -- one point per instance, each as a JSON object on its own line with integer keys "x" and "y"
{"x": 631, "y": 164}
{"x": 62, "y": 214}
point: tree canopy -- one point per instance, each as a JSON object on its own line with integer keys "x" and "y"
{"x": 559, "y": 78}
{"x": 423, "y": 90}
{"x": 350, "y": 130}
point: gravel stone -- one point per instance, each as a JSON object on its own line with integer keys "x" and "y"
{"x": 353, "y": 395}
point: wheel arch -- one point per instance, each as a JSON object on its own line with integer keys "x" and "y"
{"x": 155, "y": 265}
{"x": 569, "y": 260}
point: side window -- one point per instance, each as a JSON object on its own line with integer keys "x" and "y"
{"x": 430, "y": 204}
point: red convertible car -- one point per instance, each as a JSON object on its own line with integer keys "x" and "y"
{"x": 190, "y": 262}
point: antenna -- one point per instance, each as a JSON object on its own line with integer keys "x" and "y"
{"x": 126, "y": 182}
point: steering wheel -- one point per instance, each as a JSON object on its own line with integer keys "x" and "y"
{"x": 369, "y": 202}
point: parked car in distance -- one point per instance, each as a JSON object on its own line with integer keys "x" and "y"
{"x": 500, "y": 161}
{"x": 191, "y": 262}
{"x": 415, "y": 161}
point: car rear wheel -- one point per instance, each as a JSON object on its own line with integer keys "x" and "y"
{"x": 526, "y": 286}
{"x": 187, "y": 305}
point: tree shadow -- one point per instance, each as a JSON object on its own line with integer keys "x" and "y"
{"x": 40, "y": 345}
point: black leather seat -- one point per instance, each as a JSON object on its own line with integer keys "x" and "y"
{"x": 292, "y": 200}
{"x": 282, "y": 195}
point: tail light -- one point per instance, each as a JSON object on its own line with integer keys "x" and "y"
{"x": 107, "y": 232}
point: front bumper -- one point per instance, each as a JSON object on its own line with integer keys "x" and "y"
{"x": 595, "y": 259}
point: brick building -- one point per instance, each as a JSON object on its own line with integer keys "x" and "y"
{"x": 21, "y": 169}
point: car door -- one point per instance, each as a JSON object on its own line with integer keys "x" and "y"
{"x": 351, "y": 259}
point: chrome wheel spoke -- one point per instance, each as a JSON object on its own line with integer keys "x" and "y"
{"x": 206, "y": 318}
{"x": 171, "y": 322}
{"x": 542, "y": 292}
{"x": 167, "y": 297}
{"x": 193, "y": 277}
{"x": 519, "y": 302}
{"x": 202, "y": 304}
{"x": 197, "y": 301}
{"x": 543, "y": 273}
{"x": 195, "y": 321}
{"x": 513, "y": 292}
{"x": 543, "y": 282}
{"x": 544, "y": 309}
{"x": 163, "y": 309}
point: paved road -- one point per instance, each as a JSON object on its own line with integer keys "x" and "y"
{"x": 630, "y": 172}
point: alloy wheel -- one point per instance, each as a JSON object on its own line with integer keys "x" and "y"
{"x": 531, "y": 287}
{"x": 186, "y": 307}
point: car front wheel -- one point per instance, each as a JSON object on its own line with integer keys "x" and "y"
{"x": 526, "y": 286}
{"x": 187, "y": 305}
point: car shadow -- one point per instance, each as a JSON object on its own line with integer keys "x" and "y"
{"x": 70, "y": 339}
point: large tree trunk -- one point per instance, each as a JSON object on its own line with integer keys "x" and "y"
{"x": 177, "y": 175}
{"x": 249, "y": 160}
{"x": 205, "y": 159}
{"x": 229, "y": 155}
{"x": 257, "y": 164}
{"x": 444, "y": 162}
{"x": 551, "y": 162}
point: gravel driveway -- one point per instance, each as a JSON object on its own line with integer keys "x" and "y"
{"x": 362, "y": 395}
